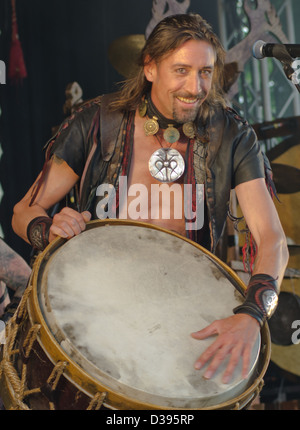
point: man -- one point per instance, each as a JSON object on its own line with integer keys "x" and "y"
{"x": 168, "y": 124}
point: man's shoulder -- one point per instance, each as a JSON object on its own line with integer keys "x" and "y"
{"x": 234, "y": 116}
{"x": 88, "y": 105}
{"x": 86, "y": 112}
{"x": 95, "y": 103}
{"x": 228, "y": 118}
{"x": 101, "y": 104}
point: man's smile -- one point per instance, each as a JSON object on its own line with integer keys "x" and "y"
{"x": 188, "y": 100}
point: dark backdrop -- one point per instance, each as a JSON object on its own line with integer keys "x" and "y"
{"x": 63, "y": 41}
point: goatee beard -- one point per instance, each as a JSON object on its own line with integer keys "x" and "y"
{"x": 188, "y": 115}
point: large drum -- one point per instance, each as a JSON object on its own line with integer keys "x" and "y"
{"x": 106, "y": 322}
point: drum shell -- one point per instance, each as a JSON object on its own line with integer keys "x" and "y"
{"x": 76, "y": 388}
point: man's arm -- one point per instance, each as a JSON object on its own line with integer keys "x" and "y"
{"x": 263, "y": 221}
{"x": 58, "y": 181}
{"x": 238, "y": 333}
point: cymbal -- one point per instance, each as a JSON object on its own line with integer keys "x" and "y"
{"x": 280, "y": 325}
{"x": 291, "y": 273}
{"x": 286, "y": 356}
{"x": 282, "y": 148}
{"x": 286, "y": 178}
{"x": 123, "y": 53}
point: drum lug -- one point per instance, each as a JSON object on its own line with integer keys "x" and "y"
{"x": 28, "y": 343}
{"x": 49, "y": 389}
{"x": 97, "y": 401}
{"x": 239, "y": 406}
{"x": 22, "y": 308}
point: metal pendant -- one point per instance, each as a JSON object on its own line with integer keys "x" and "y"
{"x": 189, "y": 129}
{"x": 151, "y": 126}
{"x": 166, "y": 165}
{"x": 143, "y": 108}
{"x": 270, "y": 302}
{"x": 171, "y": 134}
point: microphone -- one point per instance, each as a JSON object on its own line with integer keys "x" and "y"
{"x": 261, "y": 50}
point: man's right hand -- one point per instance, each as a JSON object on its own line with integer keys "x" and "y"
{"x": 68, "y": 223}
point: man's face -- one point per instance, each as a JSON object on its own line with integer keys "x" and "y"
{"x": 182, "y": 80}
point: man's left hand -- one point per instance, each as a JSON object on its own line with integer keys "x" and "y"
{"x": 236, "y": 336}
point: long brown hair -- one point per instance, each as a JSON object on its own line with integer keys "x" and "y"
{"x": 167, "y": 36}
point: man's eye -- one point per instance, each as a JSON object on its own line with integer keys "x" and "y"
{"x": 206, "y": 72}
{"x": 181, "y": 71}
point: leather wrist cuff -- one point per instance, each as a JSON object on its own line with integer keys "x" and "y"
{"x": 38, "y": 232}
{"x": 261, "y": 298}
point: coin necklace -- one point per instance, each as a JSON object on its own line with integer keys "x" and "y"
{"x": 165, "y": 164}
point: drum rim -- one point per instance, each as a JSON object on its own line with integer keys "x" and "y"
{"x": 75, "y": 373}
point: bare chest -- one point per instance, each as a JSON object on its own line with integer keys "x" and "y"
{"x": 149, "y": 200}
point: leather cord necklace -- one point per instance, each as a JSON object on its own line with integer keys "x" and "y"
{"x": 165, "y": 164}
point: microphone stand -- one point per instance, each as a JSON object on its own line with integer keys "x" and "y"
{"x": 289, "y": 72}
{"x": 282, "y": 55}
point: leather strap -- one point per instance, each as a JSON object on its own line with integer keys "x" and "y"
{"x": 38, "y": 232}
{"x": 261, "y": 298}
{"x": 110, "y": 124}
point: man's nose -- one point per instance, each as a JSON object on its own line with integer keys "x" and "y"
{"x": 194, "y": 84}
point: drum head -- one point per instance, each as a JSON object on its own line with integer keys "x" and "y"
{"x": 122, "y": 301}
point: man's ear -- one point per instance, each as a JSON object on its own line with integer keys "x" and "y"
{"x": 150, "y": 68}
